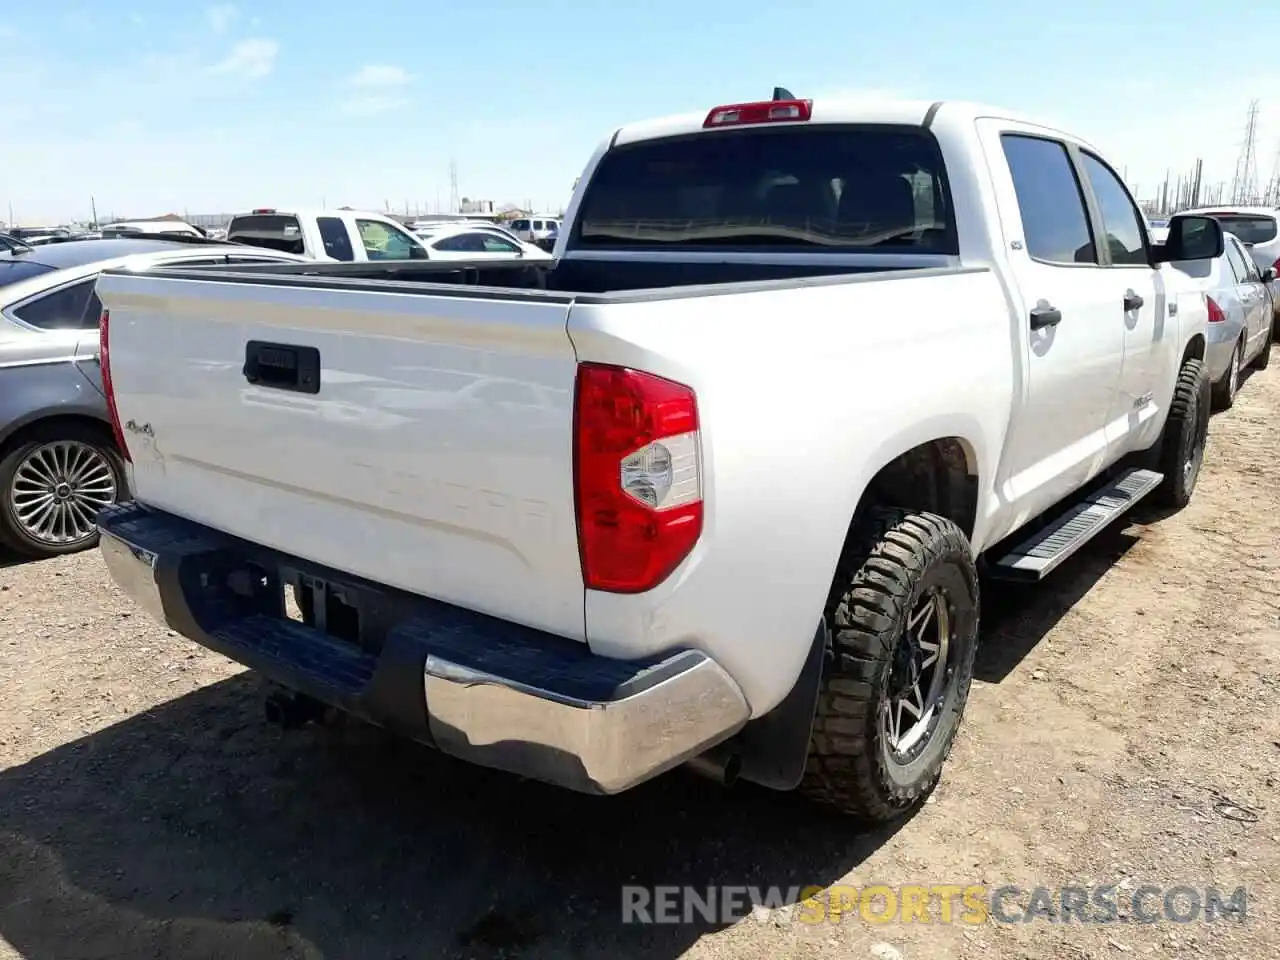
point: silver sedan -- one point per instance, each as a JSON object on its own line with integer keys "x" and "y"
{"x": 59, "y": 463}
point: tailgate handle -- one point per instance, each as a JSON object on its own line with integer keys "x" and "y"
{"x": 282, "y": 366}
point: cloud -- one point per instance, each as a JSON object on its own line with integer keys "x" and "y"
{"x": 249, "y": 58}
{"x": 380, "y": 89}
{"x": 221, "y": 16}
{"x": 374, "y": 105}
{"x": 380, "y": 76}
{"x": 858, "y": 94}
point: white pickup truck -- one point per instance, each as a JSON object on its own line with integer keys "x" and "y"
{"x": 714, "y": 488}
{"x": 346, "y": 235}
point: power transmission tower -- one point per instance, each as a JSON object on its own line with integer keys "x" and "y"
{"x": 455, "y": 201}
{"x": 1272, "y": 197}
{"x": 1244, "y": 187}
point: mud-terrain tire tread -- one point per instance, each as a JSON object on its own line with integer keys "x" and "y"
{"x": 1188, "y": 422}
{"x": 872, "y": 596}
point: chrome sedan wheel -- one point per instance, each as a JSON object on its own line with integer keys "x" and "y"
{"x": 57, "y": 491}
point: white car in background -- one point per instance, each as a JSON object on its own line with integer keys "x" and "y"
{"x": 1258, "y": 228}
{"x": 540, "y": 231}
{"x": 471, "y": 242}
{"x": 127, "y": 228}
{"x": 346, "y": 235}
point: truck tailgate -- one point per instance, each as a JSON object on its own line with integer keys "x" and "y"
{"x": 436, "y": 455}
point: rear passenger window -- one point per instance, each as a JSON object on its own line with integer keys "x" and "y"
{"x": 1238, "y": 268}
{"x": 1120, "y": 218}
{"x": 1250, "y": 267}
{"x": 1053, "y": 212}
{"x": 337, "y": 241}
{"x": 72, "y": 308}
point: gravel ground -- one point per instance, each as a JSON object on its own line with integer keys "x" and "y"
{"x": 1124, "y": 729}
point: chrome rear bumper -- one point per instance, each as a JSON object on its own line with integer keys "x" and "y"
{"x": 479, "y": 689}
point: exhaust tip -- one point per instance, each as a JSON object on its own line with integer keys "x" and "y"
{"x": 719, "y": 765}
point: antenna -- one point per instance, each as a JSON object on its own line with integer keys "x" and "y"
{"x": 782, "y": 93}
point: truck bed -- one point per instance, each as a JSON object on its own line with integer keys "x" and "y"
{"x": 582, "y": 280}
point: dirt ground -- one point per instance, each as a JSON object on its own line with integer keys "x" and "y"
{"x": 1124, "y": 729}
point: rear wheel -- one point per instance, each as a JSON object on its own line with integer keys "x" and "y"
{"x": 53, "y": 483}
{"x": 1263, "y": 359}
{"x": 904, "y": 624}
{"x": 1225, "y": 390}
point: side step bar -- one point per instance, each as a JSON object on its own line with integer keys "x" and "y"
{"x": 1044, "y": 550}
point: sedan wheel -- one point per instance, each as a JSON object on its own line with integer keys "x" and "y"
{"x": 53, "y": 490}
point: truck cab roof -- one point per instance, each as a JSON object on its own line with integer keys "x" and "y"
{"x": 837, "y": 110}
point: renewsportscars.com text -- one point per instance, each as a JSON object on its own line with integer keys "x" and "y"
{"x": 971, "y": 904}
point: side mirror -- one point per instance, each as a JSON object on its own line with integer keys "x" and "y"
{"x": 1191, "y": 238}
{"x": 417, "y": 252}
{"x": 1269, "y": 275}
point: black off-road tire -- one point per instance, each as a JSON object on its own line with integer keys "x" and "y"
{"x": 1263, "y": 359}
{"x": 1223, "y": 393}
{"x": 892, "y": 558}
{"x": 1185, "y": 434}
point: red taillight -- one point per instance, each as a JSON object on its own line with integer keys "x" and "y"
{"x": 1276, "y": 266}
{"x": 1215, "y": 312}
{"x": 265, "y": 210}
{"x": 637, "y": 477}
{"x": 766, "y": 111}
{"x": 104, "y": 361}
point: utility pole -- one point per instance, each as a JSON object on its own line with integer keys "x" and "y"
{"x": 455, "y": 201}
{"x": 94, "y": 207}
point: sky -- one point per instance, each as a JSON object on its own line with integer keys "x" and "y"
{"x": 151, "y": 107}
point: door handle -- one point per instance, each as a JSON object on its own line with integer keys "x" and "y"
{"x": 1132, "y": 301}
{"x": 1045, "y": 316}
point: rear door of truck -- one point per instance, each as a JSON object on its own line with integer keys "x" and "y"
{"x": 423, "y": 441}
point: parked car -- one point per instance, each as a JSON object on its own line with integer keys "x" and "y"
{"x": 478, "y": 243}
{"x": 1240, "y": 316}
{"x": 58, "y": 462}
{"x": 1257, "y": 229}
{"x": 10, "y": 245}
{"x": 798, "y": 368}
{"x": 36, "y": 236}
{"x": 127, "y": 228}
{"x": 539, "y": 231}
{"x": 349, "y": 235}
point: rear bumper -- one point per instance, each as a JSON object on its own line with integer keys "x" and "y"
{"x": 481, "y": 689}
